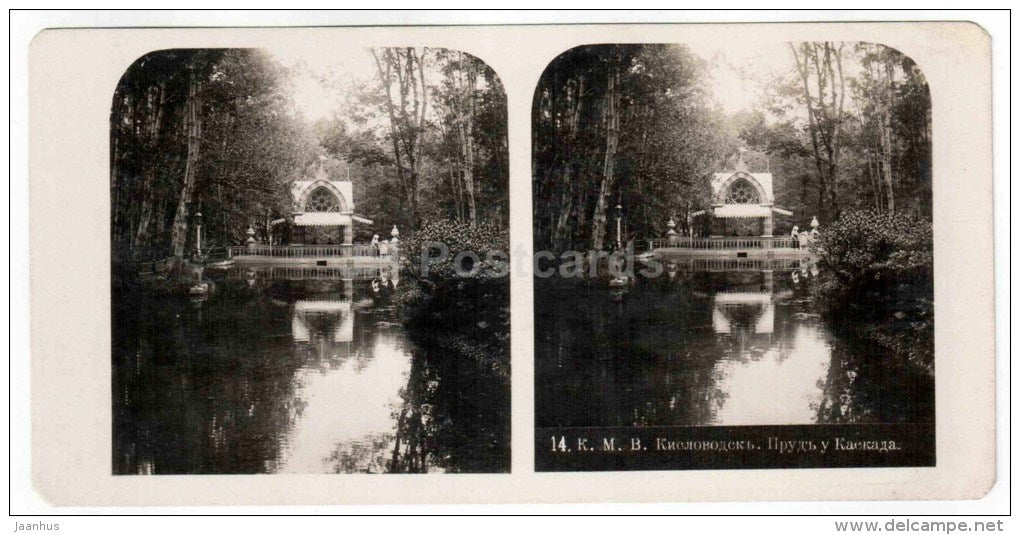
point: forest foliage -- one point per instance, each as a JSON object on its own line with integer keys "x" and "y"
{"x": 877, "y": 275}
{"x": 217, "y": 131}
{"x": 843, "y": 126}
{"x": 627, "y": 125}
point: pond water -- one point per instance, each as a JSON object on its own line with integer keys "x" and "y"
{"x": 710, "y": 348}
{"x": 303, "y": 370}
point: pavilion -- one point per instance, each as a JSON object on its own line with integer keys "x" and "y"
{"x": 742, "y": 203}
{"x": 324, "y": 211}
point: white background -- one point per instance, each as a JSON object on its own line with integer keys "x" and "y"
{"x": 25, "y": 501}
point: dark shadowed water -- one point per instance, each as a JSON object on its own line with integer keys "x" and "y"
{"x": 291, "y": 370}
{"x": 697, "y": 348}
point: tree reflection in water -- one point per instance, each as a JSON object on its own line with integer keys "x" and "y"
{"x": 702, "y": 348}
{"x": 455, "y": 414}
{"x": 271, "y": 376}
{"x": 862, "y": 386}
{"x": 196, "y": 389}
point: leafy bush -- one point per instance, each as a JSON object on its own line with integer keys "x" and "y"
{"x": 876, "y": 278}
{"x": 484, "y": 240}
{"x": 874, "y": 255}
{"x": 468, "y": 315}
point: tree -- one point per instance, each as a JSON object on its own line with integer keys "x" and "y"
{"x": 402, "y": 70}
{"x": 620, "y": 124}
{"x": 193, "y": 131}
{"x": 895, "y": 116}
{"x": 209, "y": 130}
{"x": 869, "y": 150}
{"x": 471, "y": 143}
{"x": 466, "y": 80}
{"x": 824, "y": 100}
{"x": 612, "y": 121}
{"x": 459, "y": 141}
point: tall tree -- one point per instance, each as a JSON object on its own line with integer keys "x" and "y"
{"x": 574, "y": 97}
{"x": 612, "y": 120}
{"x": 874, "y": 154}
{"x": 193, "y": 131}
{"x": 402, "y": 70}
{"x": 824, "y": 100}
{"x": 214, "y": 127}
{"x": 461, "y": 140}
{"x": 467, "y": 80}
{"x": 620, "y": 124}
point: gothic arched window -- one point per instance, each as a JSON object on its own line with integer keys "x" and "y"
{"x": 322, "y": 200}
{"x": 742, "y": 192}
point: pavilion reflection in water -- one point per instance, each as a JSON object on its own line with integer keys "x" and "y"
{"x": 347, "y": 422}
{"x": 770, "y": 367}
{"x": 743, "y": 312}
{"x": 325, "y": 314}
{"x": 325, "y": 323}
{"x": 355, "y": 369}
{"x": 738, "y": 342}
{"x": 297, "y": 369}
{"x": 735, "y": 345}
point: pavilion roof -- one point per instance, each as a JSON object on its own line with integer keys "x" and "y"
{"x": 741, "y": 210}
{"x": 318, "y": 219}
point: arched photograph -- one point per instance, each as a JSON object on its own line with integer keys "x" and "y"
{"x": 733, "y": 257}
{"x": 271, "y": 314}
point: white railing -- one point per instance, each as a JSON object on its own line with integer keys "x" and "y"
{"x": 306, "y": 251}
{"x": 739, "y": 264}
{"x": 315, "y": 273}
{"x": 721, "y": 244}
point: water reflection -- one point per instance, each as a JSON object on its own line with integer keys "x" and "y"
{"x": 738, "y": 346}
{"x": 302, "y": 370}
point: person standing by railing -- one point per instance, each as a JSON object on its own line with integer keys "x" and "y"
{"x": 794, "y": 234}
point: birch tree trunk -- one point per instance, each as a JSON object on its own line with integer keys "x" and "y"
{"x": 385, "y": 68}
{"x": 152, "y": 126}
{"x": 836, "y": 116}
{"x": 802, "y": 70}
{"x": 567, "y": 196}
{"x": 142, "y": 232}
{"x": 420, "y": 107}
{"x": 825, "y": 115}
{"x": 193, "y": 127}
{"x": 407, "y": 115}
{"x": 598, "y": 220}
{"x": 469, "y": 79}
{"x": 887, "y": 104}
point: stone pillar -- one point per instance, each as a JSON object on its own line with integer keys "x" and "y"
{"x": 671, "y": 236}
{"x": 395, "y": 242}
{"x": 251, "y": 239}
{"x": 348, "y": 234}
{"x": 768, "y": 225}
{"x": 198, "y": 234}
